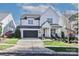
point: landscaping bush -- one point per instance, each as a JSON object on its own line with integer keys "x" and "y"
{"x": 0, "y": 30}
{"x": 17, "y": 33}
{"x": 9, "y": 34}
{"x": 63, "y": 36}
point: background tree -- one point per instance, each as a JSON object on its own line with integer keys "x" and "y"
{"x": 75, "y": 17}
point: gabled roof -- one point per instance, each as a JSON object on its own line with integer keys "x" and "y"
{"x": 50, "y": 25}
{"x": 3, "y": 15}
{"x": 46, "y": 25}
{"x": 32, "y": 13}
{"x": 74, "y": 16}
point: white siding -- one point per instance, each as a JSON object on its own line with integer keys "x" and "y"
{"x": 47, "y": 32}
{"x": 8, "y": 24}
{"x": 46, "y": 25}
{"x": 25, "y": 22}
{"x": 40, "y": 33}
{"x": 6, "y": 20}
{"x": 49, "y": 14}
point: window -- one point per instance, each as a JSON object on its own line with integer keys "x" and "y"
{"x": 49, "y": 20}
{"x": 38, "y": 18}
{"x": 30, "y": 21}
{"x": 25, "y": 18}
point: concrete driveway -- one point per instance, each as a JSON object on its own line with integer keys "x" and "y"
{"x": 29, "y": 45}
{"x": 30, "y": 42}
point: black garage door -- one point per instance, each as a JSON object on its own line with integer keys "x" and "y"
{"x": 28, "y": 34}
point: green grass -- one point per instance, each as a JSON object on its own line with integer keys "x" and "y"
{"x": 63, "y": 49}
{"x": 8, "y": 43}
{"x": 58, "y": 43}
{"x": 60, "y": 46}
{"x": 5, "y": 46}
{"x": 11, "y": 41}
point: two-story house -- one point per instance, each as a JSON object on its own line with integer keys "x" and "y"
{"x": 42, "y": 25}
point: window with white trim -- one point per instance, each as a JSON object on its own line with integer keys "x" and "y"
{"x": 50, "y": 20}
{"x": 30, "y": 21}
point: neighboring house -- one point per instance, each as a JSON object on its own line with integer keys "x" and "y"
{"x": 43, "y": 25}
{"x": 73, "y": 20}
{"x": 69, "y": 13}
{"x": 72, "y": 16}
{"x": 6, "y": 23}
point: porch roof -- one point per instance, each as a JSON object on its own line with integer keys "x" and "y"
{"x": 36, "y": 27}
{"x": 56, "y": 26}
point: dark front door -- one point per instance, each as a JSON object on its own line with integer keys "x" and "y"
{"x": 30, "y": 34}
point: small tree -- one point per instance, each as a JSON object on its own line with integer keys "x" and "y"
{"x": 17, "y": 33}
{"x": 63, "y": 36}
{"x": 0, "y": 30}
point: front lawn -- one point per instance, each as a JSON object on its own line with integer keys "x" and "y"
{"x": 63, "y": 49}
{"x": 60, "y": 46}
{"x": 59, "y": 43}
{"x": 9, "y": 42}
{"x": 4, "y": 46}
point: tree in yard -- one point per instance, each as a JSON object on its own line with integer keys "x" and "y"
{"x": 63, "y": 36}
{"x": 0, "y": 30}
{"x": 17, "y": 33}
{"x": 75, "y": 18}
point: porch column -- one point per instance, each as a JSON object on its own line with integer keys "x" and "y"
{"x": 39, "y": 33}
{"x": 49, "y": 32}
{"x": 21, "y": 33}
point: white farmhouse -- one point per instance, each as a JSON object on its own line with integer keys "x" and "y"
{"x": 6, "y": 22}
{"x": 43, "y": 25}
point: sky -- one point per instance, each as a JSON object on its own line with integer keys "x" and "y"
{"x": 17, "y": 9}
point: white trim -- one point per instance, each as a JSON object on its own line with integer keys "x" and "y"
{"x": 46, "y": 25}
{"x": 28, "y": 29}
{"x": 21, "y": 33}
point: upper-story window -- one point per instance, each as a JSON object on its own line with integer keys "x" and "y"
{"x": 50, "y": 20}
{"x": 38, "y": 18}
{"x": 24, "y": 18}
{"x": 30, "y": 21}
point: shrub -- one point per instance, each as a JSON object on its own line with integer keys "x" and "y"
{"x": 17, "y": 33}
{"x": 8, "y": 34}
{"x": 0, "y": 30}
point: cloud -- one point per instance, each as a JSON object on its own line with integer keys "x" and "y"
{"x": 38, "y": 9}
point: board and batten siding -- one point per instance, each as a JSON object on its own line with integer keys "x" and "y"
{"x": 49, "y": 14}
{"x": 25, "y": 22}
{"x": 8, "y": 20}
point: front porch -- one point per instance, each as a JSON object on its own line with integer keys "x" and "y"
{"x": 50, "y": 30}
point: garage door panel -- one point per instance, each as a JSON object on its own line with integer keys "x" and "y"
{"x": 30, "y": 33}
